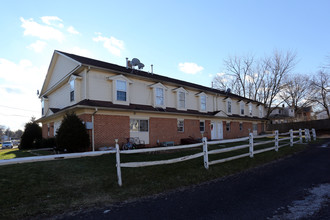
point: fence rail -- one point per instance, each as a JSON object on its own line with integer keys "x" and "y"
{"x": 278, "y": 137}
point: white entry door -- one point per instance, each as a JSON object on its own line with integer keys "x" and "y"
{"x": 216, "y": 130}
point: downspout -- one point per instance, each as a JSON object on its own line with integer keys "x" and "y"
{"x": 93, "y": 129}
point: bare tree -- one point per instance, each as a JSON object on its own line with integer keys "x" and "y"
{"x": 295, "y": 91}
{"x": 260, "y": 80}
{"x": 320, "y": 94}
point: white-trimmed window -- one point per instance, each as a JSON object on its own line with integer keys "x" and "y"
{"x": 180, "y": 125}
{"x": 255, "y": 127}
{"x": 139, "y": 125}
{"x": 242, "y": 108}
{"x": 228, "y": 126}
{"x": 182, "y": 100}
{"x": 181, "y": 96}
{"x": 229, "y": 106}
{"x": 241, "y": 126}
{"x": 261, "y": 112}
{"x": 159, "y": 95}
{"x": 250, "y": 109}
{"x": 202, "y": 126}
{"x": 120, "y": 89}
{"x": 72, "y": 85}
{"x": 202, "y": 101}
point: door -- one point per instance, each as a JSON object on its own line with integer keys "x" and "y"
{"x": 213, "y": 131}
{"x": 220, "y": 130}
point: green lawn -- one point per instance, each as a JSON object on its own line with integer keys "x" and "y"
{"x": 48, "y": 188}
{"x": 16, "y": 153}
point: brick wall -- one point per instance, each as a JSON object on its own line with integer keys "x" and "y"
{"x": 165, "y": 129}
{"x": 235, "y": 131}
{"x": 110, "y": 127}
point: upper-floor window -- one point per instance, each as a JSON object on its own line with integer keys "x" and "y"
{"x": 181, "y": 96}
{"x": 121, "y": 90}
{"x": 159, "y": 96}
{"x": 250, "y": 109}
{"x": 229, "y": 106}
{"x": 203, "y": 102}
{"x": 261, "y": 113}
{"x": 42, "y": 106}
{"x": 72, "y": 85}
{"x": 182, "y": 100}
{"x": 242, "y": 108}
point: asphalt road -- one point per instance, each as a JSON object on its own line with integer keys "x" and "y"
{"x": 297, "y": 187}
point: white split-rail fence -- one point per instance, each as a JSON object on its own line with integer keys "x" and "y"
{"x": 205, "y": 152}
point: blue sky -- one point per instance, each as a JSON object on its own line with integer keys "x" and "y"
{"x": 186, "y": 40}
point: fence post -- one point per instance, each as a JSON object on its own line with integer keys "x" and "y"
{"x": 306, "y": 135}
{"x": 276, "y": 140}
{"x": 309, "y": 135}
{"x": 291, "y": 137}
{"x": 314, "y": 134}
{"x": 206, "y": 154}
{"x": 300, "y": 136}
{"x": 251, "y": 144}
{"x": 118, "y": 163}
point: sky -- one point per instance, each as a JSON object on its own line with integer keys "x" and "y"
{"x": 186, "y": 40}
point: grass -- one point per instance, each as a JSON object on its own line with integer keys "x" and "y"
{"x": 48, "y": 188}
{"x": 16, "y": 153}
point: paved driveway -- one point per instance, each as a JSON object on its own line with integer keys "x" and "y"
{"x": 296, "y": 187}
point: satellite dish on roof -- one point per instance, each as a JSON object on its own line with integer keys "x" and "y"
{"x": 136, "y": 62}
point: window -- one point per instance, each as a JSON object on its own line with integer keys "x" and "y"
{"x": 139, "y": 125}
{"x": 71, "y": 90}
{"x": 241, "y": 126}
{"x": 203, "y": 102}
{"x": 182, "y": 100}
{"x": 260, "y": 112}
{"x": 42, "y": 106}
{"x": 250, "y": 109}
{"x": 180, "y": 125}
{"x": 255, "y": 127}
{"x": 159, "y": 96}
{"x": 229, "y": 106}
{"x": 228, "y": 126}
{"x": 121, "y": 90}
{"x": 202, "y": 126}
{"x": 242, "y": 108}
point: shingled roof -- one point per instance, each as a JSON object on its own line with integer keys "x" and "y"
{"x": 134, "y": 72}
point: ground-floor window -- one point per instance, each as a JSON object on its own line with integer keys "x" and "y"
{"x": 202, "y": 126}
{"x": 228, "y": 126}
{"x": 180, "y": 125}
{"x": 140, "y": 125}
{"x": 241, "y": 126}
{"x": 255, "y": 127}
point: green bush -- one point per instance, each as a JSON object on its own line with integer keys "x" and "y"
{"x": 31, "y": 137}
{"x": 72, "y": 135}
{"x": 48, "y": 143}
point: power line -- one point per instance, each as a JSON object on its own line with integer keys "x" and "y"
{"x": 18, "y": 108}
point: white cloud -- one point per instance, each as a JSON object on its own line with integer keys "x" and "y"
{"x": 38, "y": 46}
{"x": 190, "y": 68}
{"x": 72, "y": 30}
{"x": 112, "y": 44}
{"x": 20, "y": 82}
{"x": 44, "y": 32}
{"x": 80, "y": 51}
{"x": 221, "y": 74}
{"x": 52, "y": 20}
